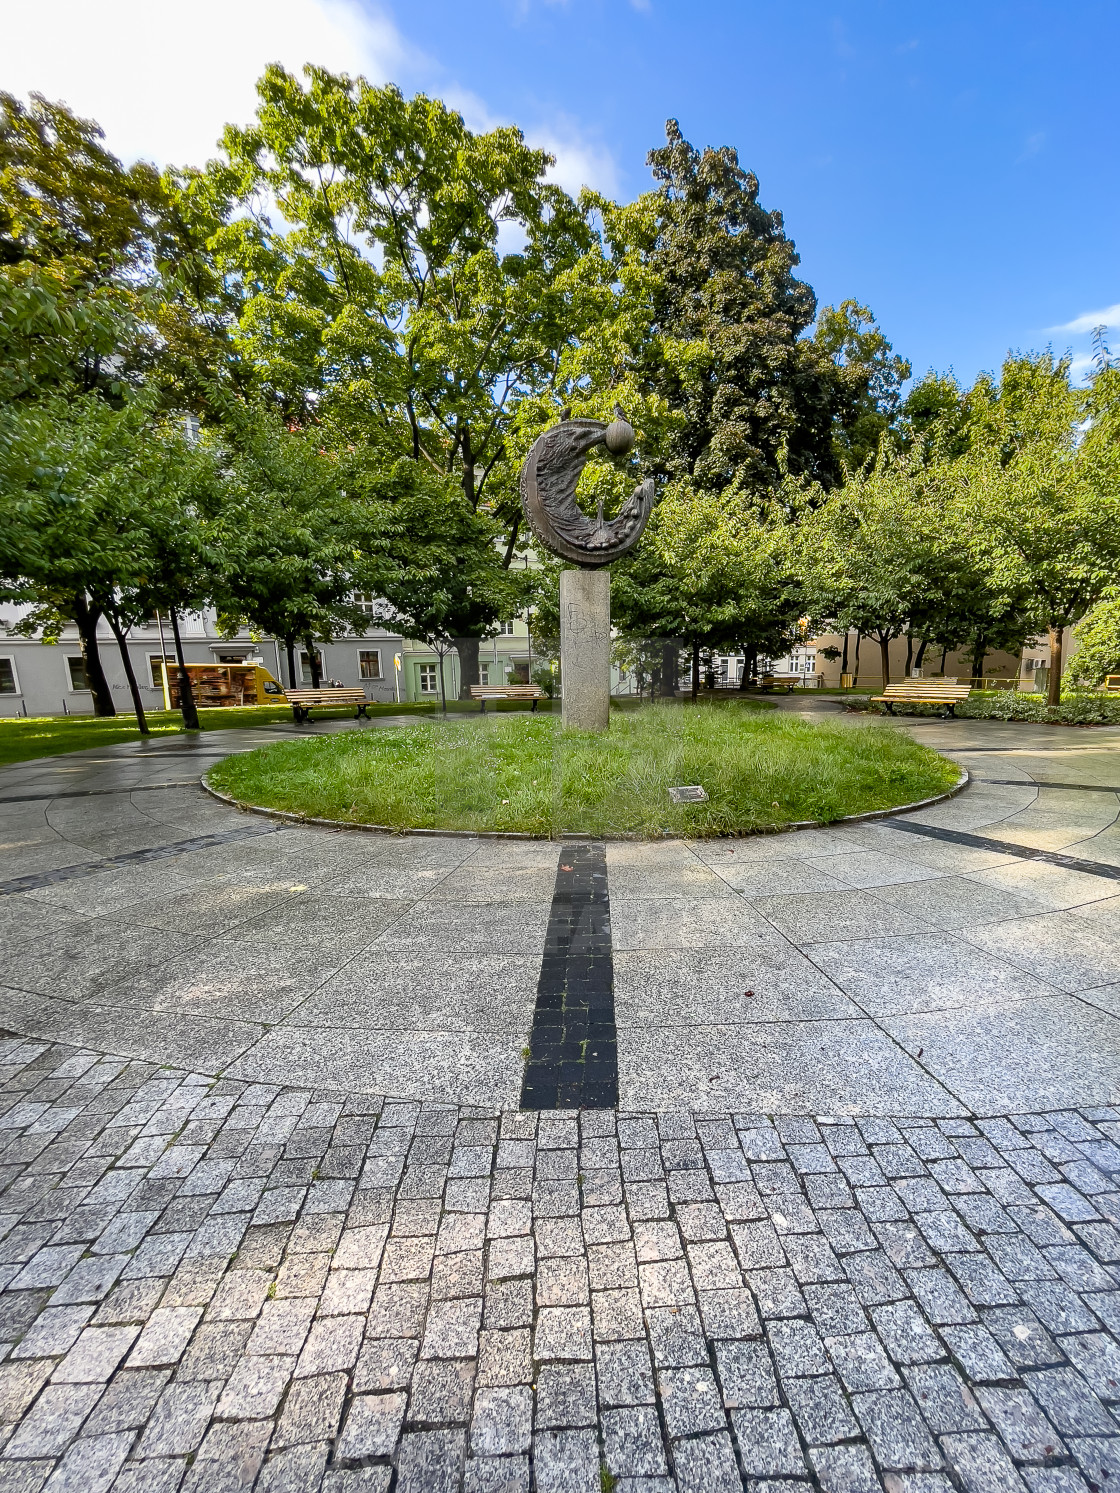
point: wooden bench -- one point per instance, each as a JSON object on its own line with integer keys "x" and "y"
{"x": 1112, "y": 681}
{"x": 486, "y": 692}
{"x": 788, "y": 682}
{"x": 945, "y": 692}
{"x": 302, "y": 700}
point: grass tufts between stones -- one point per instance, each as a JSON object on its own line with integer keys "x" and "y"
{"x": 522, "y": 773}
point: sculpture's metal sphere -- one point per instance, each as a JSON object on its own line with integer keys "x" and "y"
{"x": 619, "y": 437}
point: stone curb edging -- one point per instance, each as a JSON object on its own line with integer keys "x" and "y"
{"x": 502, "y": 834}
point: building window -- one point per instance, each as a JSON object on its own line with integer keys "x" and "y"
{"x": 505, "y": 629}
{"x": 428, "y": 684}
{"x": 484, "y": 673}
{"x": 9, "y": 684}
{"x": 155, "y": 664}
{"x": 77, "y": 667}
{"x": 369, "y": 663}
{"x": 365, "y": 602}
{"x": 305, "y": 665}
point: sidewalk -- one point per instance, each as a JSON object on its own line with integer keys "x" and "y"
{"x": 273, "y": 1218}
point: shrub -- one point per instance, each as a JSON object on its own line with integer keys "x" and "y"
{"x": 1098, "y": 643}
{"x": 1078, "y": 708}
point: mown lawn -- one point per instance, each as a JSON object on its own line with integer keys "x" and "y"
{"x": 760, "y": 768}
{"x": 45, "y": 736}
{"x": 22, "y": 738}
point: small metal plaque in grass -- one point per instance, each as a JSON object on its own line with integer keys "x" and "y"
{"x": 689, "y": 795}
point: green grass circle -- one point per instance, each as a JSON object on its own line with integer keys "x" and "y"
{"x": 522, "y": 773}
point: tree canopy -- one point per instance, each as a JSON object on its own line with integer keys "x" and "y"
{"x": 371, "y": 311}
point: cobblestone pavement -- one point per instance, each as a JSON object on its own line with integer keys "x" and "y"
{"x": 212, "y": 1282}
{"x": 215, "y": 1285}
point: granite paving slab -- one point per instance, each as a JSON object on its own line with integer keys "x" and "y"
{"x": 1034, "y": 1054}
{"x": 789, "y": 1068}
{"x": 398, "y": 988}
{"x": 681, "y": 922}
{"x": 929, "y": 972}
{"x": 404, "y": 1062}
{"x": 872, "y": 868}
{"x": 1070, "y": 952}
{"x": 765, "y": 982}
{"x": 953, "y": 902}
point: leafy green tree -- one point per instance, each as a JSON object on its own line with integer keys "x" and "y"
{"x": 866, "y": 384}
{"x": 1043, "y": 498}
{"x": 727, "y": 317}
{"x": 863, "y": 560}
{"x": 286, "y": 546}
{"x": 707, "y": 572}
{"x": 385, "y": 306}
{"x": 79, "y": 239}
{"x": 933, "y": 420}
{"x": 439, "y": 569}
{"x": 1098, "y": 642}
{"x": 86, "y": 497}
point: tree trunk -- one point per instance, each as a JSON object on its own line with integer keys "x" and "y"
{"x": 1054, "y": 679}
{"x": 750, "y": 664}
{"x": 670, "y": 662}
{"x": 695, "y": 668}
{"x": 85, "y": 619}
{"x": 133, "y": 687}
{"x": 467, "y": 451}
{"x": 885, "y": 655}
{"x": 313, "y": 661}
{"x": 922, "y": 646}
{"x": 186, "y": 688}
{"x": 844, "y": 660}
{"x": 467, "y": 649}
{"x": 979, "y": 654}
{"x": 290, "y": 659}
{"x": 442, "y": 692}
{"x": 944, "y": 656}
{"x": 909, "y": 652}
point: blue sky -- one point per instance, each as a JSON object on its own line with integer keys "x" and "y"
{"x": 954, "y": 166}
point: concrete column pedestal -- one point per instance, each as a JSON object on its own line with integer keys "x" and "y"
{"x": 585, "y": 648}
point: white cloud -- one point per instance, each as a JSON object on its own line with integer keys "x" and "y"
{"x": 1080, "y": 367}
{"x": 580, "y": 161}
{"x": 162, "y": 80}
{"x": 1109, "y": 316}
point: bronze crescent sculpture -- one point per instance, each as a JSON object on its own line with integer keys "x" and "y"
{"x": 548, "y": 488}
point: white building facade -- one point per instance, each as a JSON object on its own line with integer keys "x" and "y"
{"x": 42, "y": 679}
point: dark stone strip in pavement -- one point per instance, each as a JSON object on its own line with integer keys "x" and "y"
{"x": 1042, "y": 783}
{"x": 157, "y": 754}
{"x": 29, "y": 798}
{"x": 1010, "y": 751}
{"x": 1006, "y": 847}
{"x": 132, "y": 858}
{"x": 573, "y": 1045}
